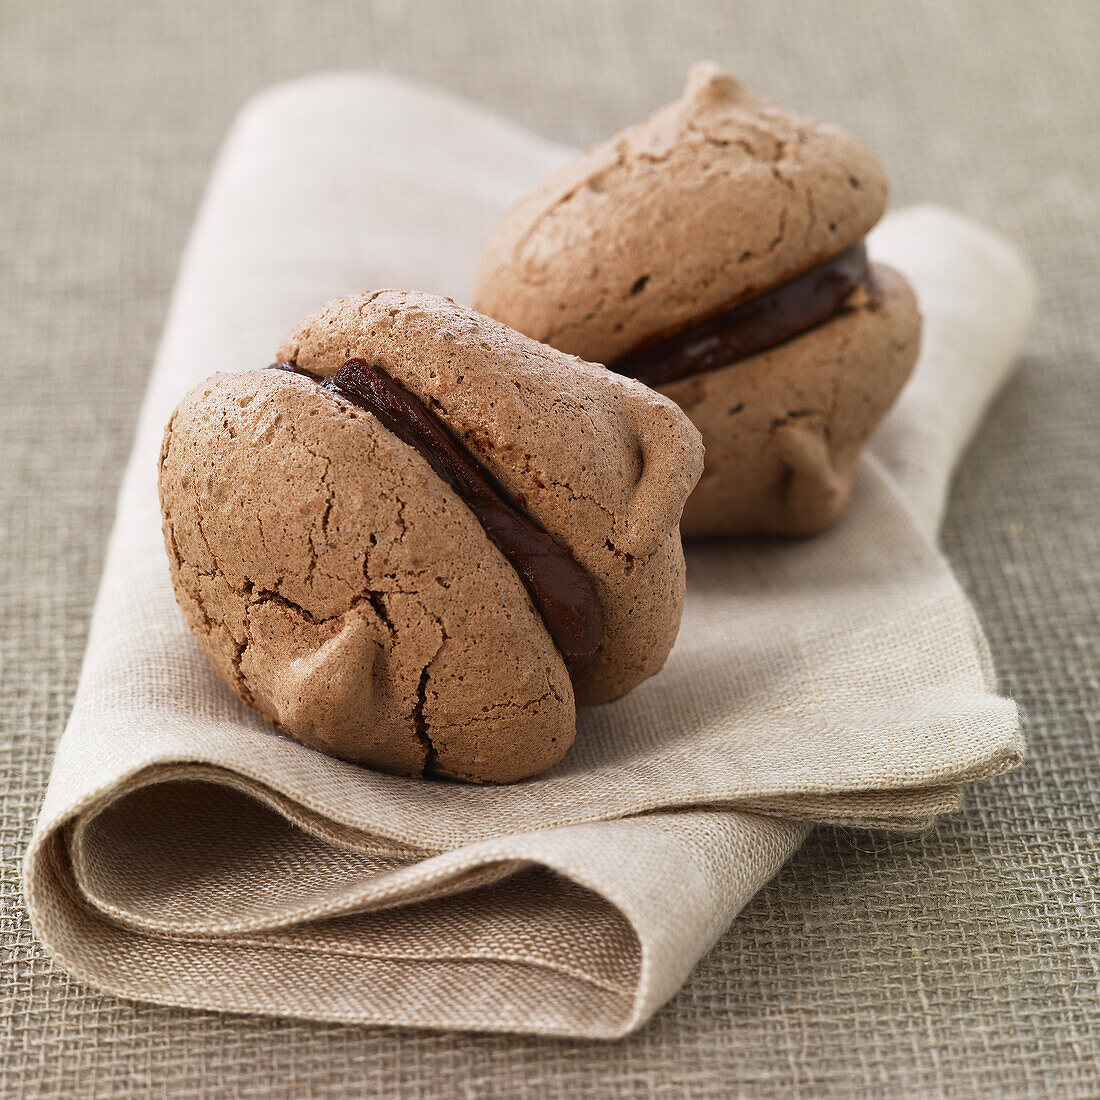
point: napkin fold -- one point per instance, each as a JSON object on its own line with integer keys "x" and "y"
{"x": 187, "y": 854}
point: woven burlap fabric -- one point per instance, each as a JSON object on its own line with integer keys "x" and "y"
{"x": 961, "y": 961}
{"x": 840, "y": 679}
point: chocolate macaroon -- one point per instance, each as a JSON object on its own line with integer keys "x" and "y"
{"x": 419, "y": 539}
{"x": 716, "y": 252}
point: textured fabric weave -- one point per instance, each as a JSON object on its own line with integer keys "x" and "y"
{"x": 963, "y": 961}
{"x": 840, "y": 679}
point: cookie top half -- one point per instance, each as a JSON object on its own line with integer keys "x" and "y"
{"x": 714, "y": 199}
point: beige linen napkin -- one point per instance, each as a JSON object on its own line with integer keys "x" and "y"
{"x": 187, "y": 854}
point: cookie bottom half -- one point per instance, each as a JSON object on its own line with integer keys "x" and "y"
{"x": 784, "y": 429}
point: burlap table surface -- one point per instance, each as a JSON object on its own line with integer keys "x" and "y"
{"x": 921, "y": 1038}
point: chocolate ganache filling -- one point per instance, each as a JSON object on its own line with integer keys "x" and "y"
{"x": 562, "y": 591}
{"x": 763, "y": 322}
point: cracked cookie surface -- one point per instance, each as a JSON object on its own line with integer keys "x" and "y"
{"x": 715, "y": 198}
{"x": 345, "y": 592}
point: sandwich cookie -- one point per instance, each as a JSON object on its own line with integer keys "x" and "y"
{"x": 716, "y": 253}
{"x": 421, "y": 538}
